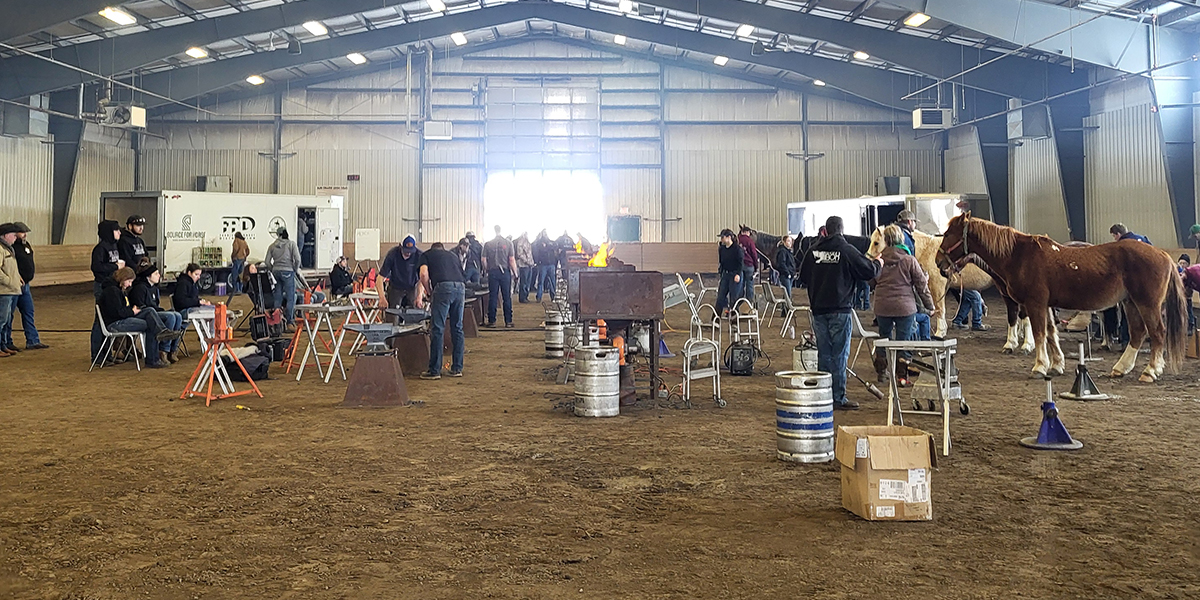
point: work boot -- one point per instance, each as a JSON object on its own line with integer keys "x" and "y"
{"x": 37, "y": 346}
{"x": 981, "y": 327}
{"x": 881, "y": 368}
{"x": 508, "y": 325}
{"x": 431, "y": 376}
{"x": 5, "y": 353}
{"x": 847, "y": 405}
{"x": 13, "y": 349}
{"x": 162, "y": 358}
{"x": 172, "y": 358}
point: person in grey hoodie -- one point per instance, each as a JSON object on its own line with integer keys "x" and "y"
{"x": 283, "y": 259}
{"x": 899, "y": 284}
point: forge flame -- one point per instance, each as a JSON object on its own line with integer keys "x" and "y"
{"x": 600, "y": 259}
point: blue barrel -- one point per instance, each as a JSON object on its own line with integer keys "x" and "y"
{"x": 804, "y": 416}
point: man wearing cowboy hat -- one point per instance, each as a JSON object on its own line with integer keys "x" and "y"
{"x": 10, "y": 287}
{"x": 25, "y": 266}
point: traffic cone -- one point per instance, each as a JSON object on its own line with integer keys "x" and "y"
{"x": 663, "y": 352}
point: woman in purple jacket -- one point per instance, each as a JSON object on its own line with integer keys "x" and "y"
{"x": 900, "y": 283}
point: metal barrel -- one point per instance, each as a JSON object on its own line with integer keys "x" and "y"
{"x": 804, "y": 416}
{"x": 554, "y": 334}
{"x": 804, "y": 359}
{"x": 597, "y": 382}
{"x": 574, "y": 340}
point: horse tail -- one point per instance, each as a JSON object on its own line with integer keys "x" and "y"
{"x": 1176, "y": 321}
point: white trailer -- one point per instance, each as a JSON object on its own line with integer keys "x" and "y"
{"x": 862, "y": 215}
{"x": 179, "y": 221}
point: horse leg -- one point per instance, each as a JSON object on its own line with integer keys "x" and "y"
{"x": 1010, "y": 345}
{"x": 1137, "y": 335}
{"x": 937, "y": 288}
{"x": 1041, "y": 363}
{"x": 1027, "y": 335}
{"x": 1148, "y": 323}
{"x": 1057, "y": 360}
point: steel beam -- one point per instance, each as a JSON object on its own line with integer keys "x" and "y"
{"x": 1012, "y": 77}
{"x": 30, "y": 16}
{"x": 68, "y": 138}
{"x": 22, "y": 76}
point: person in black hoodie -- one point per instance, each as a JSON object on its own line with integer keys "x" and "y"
{"x": 121, "y": 315}
{"x": 730, "y": 257}
{"x": 187, "y": 292}
{"x": 785, "y": 264}
{"x": 830, "y": 269}
{"x": 341, "y": 281}
{"x": 131, "y": 246}
{"x": 145, "y": 295}
{"x": 106, "y": 256}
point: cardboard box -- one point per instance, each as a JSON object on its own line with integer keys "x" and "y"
{"x": 1193, "y": 345}
{"x": 886, "y": 472}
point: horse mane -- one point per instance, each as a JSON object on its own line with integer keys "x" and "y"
{"x": 998, "y": 239}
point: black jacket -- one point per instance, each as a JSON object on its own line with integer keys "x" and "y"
{"x": 24, "y": 254}
{"x": 830, "y": 269}
{"x": 544, "y": 252}
{"x": 106, "y": 254}
{"x": 785, "y": 263}
{"x": 339, "y": 278}
{"x": 132, "y": 249}
{"x": 475, "y": 255}
{"x": 730, "y": 259}
{"x": 187, "y": 293}
{"x": 144, "y": 294}
{"x": 114, "y": 305}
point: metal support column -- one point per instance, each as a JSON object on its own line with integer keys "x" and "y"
{"x": 135, "y": 142}
{"x": 662, "y": 154}
{"x": 68, "y": 138}
{"x": 804, "y": 144}
{"x": 277, "y": 142}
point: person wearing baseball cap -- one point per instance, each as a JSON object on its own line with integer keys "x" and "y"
{"x": 25, "y": 266}
{"x": 730, "y": 257}
{"x": 120, "y": 314}
{"x": 10, "y": 287}
{"x": 131, "y": 246}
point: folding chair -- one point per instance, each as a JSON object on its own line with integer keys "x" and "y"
{"x": 703, "y": 290}
{"x": 771, "y": 303}
{"x": 864, "y": 334}
{"x": 136, "y": 339}
{"x": 792, "y": 309}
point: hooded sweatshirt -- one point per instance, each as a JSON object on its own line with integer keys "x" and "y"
{"x": 132, "y": 248}
{"x": 402, "y": 273}
{"x": 106, "y": 254}
{"x": 524, "y": 252}
{"x": 785, "y": 262}
{"x": 144, "y": 294}
{"x": 730, "y": 259}
{"x": 187, "y": 293}
{"x": 749, "y": 251}
{"x": 114, "y": 305}
{"x": 899, "y": 278}
{"x": 830, "y": 269}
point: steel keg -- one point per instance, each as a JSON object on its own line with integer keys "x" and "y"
{"x": 597, "y": 382}
{"x": 804, "y": 416}
{"x": 554, "y": 334}
{"x": 804, "y": 359}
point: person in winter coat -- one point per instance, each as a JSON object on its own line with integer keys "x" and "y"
{"x": 106, "y": 256}
{"x": 525, "y": 265}
{"x": 187, "y": 291}
{"x": 26, "y": 267}
{"x": 10, "y": 287}
{"x": 401, "y": 269}
{"x": 901, "y": 281}
{"x": 341, "y": 281}
{"x": 785, "y": 265}
{"x": 120, "y": 314}
{"x": 730, "y": 260}
{"x": 144, "y": 294}
{"x": 283, "y": 259}
{"x": 545, "y": 257}
{"x": 238, "y": 255}
{"x": 131, "y": 246}
{"x": 749, "y": 263}
{"x": 829, "y": 270}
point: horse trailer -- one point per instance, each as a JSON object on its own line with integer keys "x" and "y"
{"x": 862, "y": 215}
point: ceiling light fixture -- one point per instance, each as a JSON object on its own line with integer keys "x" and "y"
{"x": 255, "y": 80}
{"x": 196, "y": 52}
{"x": 625, "y": 6}
{"x": 437, "y": 5}
{"x": 356, "y": 58}
{"x": 315, "y": 27}
{"x": 744, "y": 30}
{"x": 118, "y": 16}
{"x": 916, "y": 19}
{"x": 720, "y": 61}
{"x": 818, "y": 83}
{"x": 619, "y": 40}
{"x": 860, "y": 55}
{"x": 458, "y": 38}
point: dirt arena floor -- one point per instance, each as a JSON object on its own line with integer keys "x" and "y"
{"x": 114, "y": 489}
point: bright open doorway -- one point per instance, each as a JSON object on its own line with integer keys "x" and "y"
{"x": 557, "y": 201}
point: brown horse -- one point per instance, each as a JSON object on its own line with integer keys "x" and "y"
{"x": 1039, "y": 273}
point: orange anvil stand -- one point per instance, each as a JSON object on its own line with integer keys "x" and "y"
{"x": 212, "y": 367}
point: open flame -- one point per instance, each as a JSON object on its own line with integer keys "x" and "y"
{"x": 579, "y": 247}
{"x": 601, "y": 257}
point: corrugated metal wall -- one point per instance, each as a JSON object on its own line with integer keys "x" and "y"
{"x": 1035, "y": 185}
{"x": 1125, "y": 177}
{"x": 713, "y": 189}
{"x": 102, "y": 167}
{"x": 964, "y": 162}
{"x": 453, "y": 199}
{"x": 635, "y": 192}
{"x": 26, "y": 169}
{"x": 852, "y": 173}
{"x": 383, "y": 197}
{"x": 177, "y": 169}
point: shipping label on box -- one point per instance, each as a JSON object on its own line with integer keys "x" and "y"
{"x": 886, "y": 472}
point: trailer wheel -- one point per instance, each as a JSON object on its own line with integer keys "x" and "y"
{"x": 206, "y": 283}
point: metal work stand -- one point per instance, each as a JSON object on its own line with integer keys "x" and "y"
{"x": 945, "y": 381}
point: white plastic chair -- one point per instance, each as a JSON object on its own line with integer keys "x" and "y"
{"x": 792, "y": 309}
{"x": 703, "y": 290}
{"x": 863, "y": 334}
{"x": 770, "y": 303}
{"x": 136, "y": 339}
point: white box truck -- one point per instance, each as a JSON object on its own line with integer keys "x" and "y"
{"x": 179, "y": 221}
{"x": 862, "y": 215}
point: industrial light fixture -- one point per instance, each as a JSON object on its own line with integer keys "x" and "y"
{"x": 744, "y": 30}
{"x": 118, "y": 16}
{"x": 916, "y": 19}
{"x": 255, "y": 80}
{"x": 196, "y": 52}
{"x": 315, "y": 27}
{"x": 818, "y": 83}
{"x": 625, "y": 6}
{"x": 437, "y": 5}
{"x": 720, "y": 61}
{"x": 619, "y": 40}
{"x": 356, "y": 58}
{"x": 860, "y": 55}
{"x": 458, "y": 38}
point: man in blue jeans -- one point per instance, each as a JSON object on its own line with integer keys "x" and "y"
{"x": 829, "y": 271}
{"x": 729, "y": 264}
{"x": 442, "y": 278}
{"x": 545, "y": 257}
{"x": 500, "y": 263}
{"x": 970, "y": 306}
{"x": 25, "y": 265}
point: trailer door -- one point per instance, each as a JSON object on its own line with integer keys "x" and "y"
{"x": 329, "y": 237}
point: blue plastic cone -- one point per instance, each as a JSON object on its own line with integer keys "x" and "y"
{"x": 663, "y": 352}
